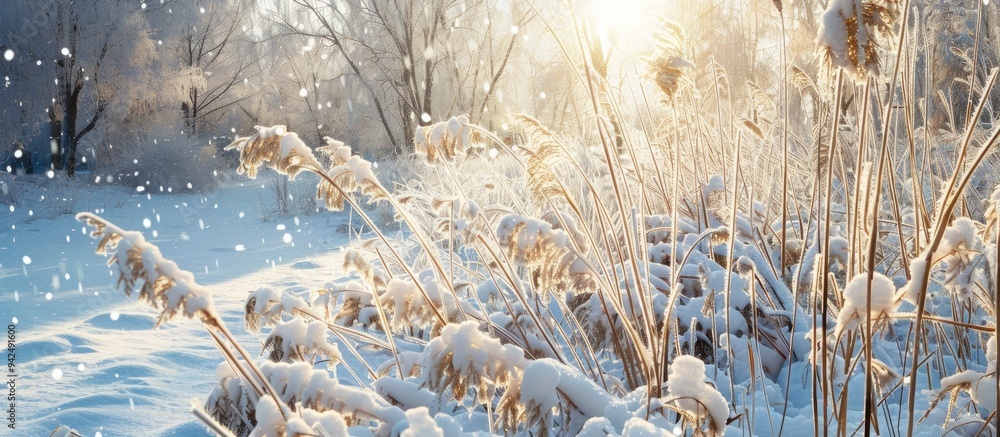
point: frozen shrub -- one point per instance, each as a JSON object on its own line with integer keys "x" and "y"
{"x": 538, "y": 244}
{"x": 462, "y": 357}
{"x": 347, "y": 173}
{"x": 172, "y": 163}
{"x": 667, "y": 65}
{"x": 296, "y": 340}
{"x": 285, "y": 152}
{"x": 10, "y": 192}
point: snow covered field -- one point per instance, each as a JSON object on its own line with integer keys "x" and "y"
{"x": 86, "y": 354}
{"x": 594, "y": 217}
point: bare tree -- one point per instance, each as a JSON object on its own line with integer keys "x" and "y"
{"x": 87, "y": 62}
{"x": 411, "y": 57}
{"x": 216, "y": 59}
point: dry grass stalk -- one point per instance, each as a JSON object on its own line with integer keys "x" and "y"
{"x": 545, "y": 154}
{"x": 275, "y": 145}
{"x": 161, "y": 282}
{"x": 851, "y": 34}
{"x": 446, "y": 140}
{"x": 667, "y": 64}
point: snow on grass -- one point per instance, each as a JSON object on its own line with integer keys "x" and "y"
{"x": 419, "y": 423}
{"x": 856, "y": 295}
{"x": 686, "y": 387}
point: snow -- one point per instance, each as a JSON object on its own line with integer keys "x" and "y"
{"x": 833, "y": 31}
{"x": 991, "y": 353}
{"x": 636, "y": 427}
{"x": 298, "y": 340}
{"x": 984, "y": 392}
{"x": 597, "y": 427}
{"x": 445, "y": 139}
{"x": 290, "y": 142}
{"x": 90, "y": 324}
{"x": 982, "y": 387}
{"x": 538, "y": 385}
{"x": 960, "y": 235}
{"x": 883, "y": 300}
{"x": 686, "y": 387}
{"x": 838, "y": 250}
{"x": 909, "y": 292}
{"x": 420, "y": 424}
{"x": 404, "y": 392}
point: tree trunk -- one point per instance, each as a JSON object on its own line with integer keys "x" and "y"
{"x": 194, "y": 112}
{"x": 186, "y": 111}
{"x": 55, "y": 139}
{"x": 408, "y": 131}
{"x": 29, "y": 168}
{"x": 70, "y": 138}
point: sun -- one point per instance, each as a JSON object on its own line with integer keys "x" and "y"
{"x": 617, "y": 21}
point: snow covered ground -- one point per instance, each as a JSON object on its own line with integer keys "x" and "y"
{"x": 86, "y": 355}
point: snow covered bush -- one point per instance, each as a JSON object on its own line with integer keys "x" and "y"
{"x": 180, "y": 164}
{"x": 624, "y": 282}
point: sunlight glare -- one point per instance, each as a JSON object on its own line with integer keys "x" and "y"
{"x": 615, "y": 20}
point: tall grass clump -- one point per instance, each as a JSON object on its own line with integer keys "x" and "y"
{"x": 649, "y": 273}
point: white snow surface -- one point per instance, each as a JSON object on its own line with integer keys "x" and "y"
{"x": 120, "y": 377}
